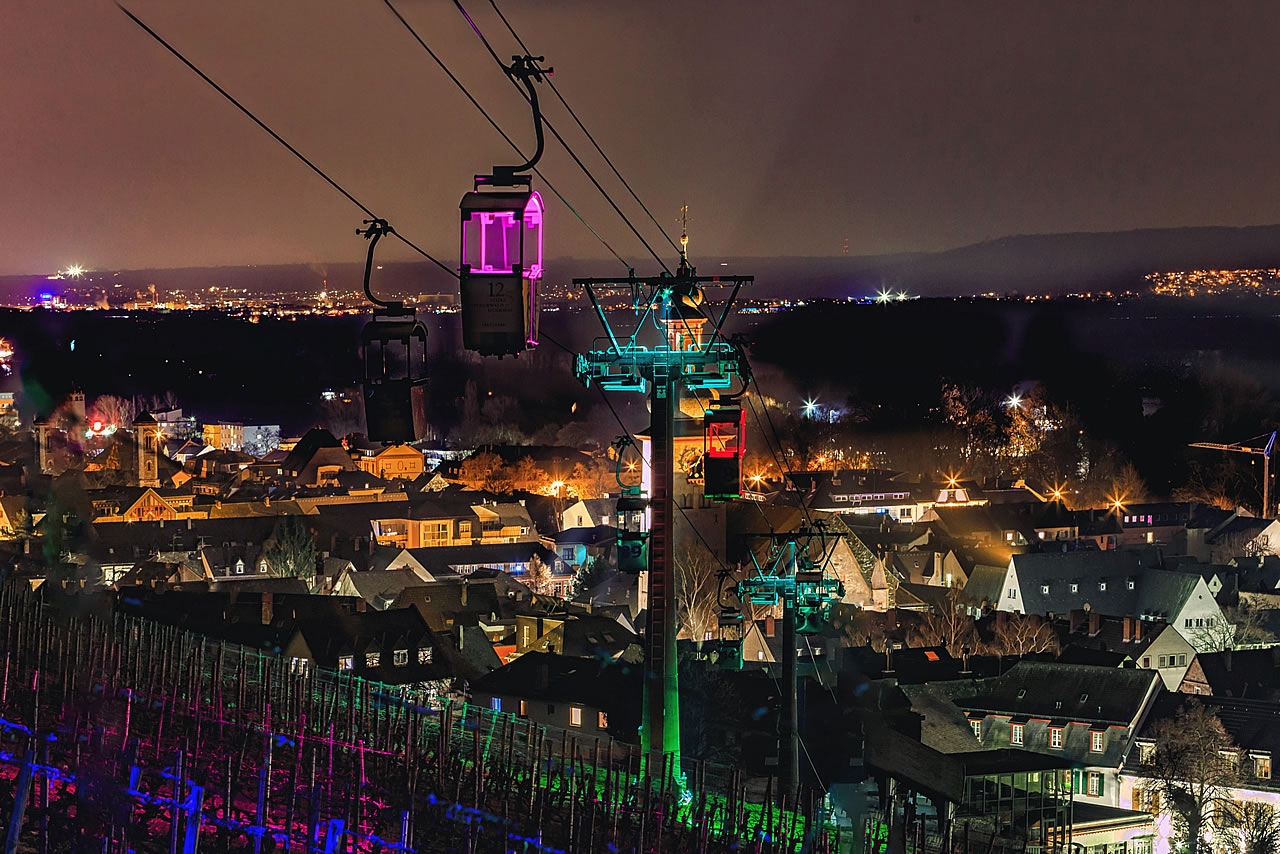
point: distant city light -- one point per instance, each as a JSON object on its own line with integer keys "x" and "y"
{"x": 884, "y": 295}
{"x": 902, "y": 295}
{"x": 1013, "y": 401}
{"x": 75, "y": 271}
{"x": 810, "y": 405}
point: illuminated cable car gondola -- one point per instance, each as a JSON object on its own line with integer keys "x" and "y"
{"x": 633, "y": 509}
{"x": 501, "y": 266}
{"x": 724, "y": 443}
{"x": 501, "y": 259}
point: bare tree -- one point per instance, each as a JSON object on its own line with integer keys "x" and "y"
{"x": 1023, "y": 634}
{"x": 697, "y": 592}
{"x": 1256, "y": 828}
{"x": 114, "y": 410}
{"x": 1195, "y": 765}
{"x": 538, "y": 577}
{"x": 949, "y": 625}
{"x": 1238, "y": 627}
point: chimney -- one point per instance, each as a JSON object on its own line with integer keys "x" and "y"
{"x": 1076, "y": 618}
{"x": 768, "y": 626}
{"x": 1137, "y": 630}
{"x": 1125, "y": 636}
{"x": 268, "y": 609}
{"x": 1095, "y": 623}
{"x": 1226, "y": 659}
{"x": 188, "y": 523}
{"x": 462, "y": 596}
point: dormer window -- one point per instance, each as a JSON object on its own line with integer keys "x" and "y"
{"x": 1146, "y": 753}
{"x": 1261, "y": 765}
{"x": 1084, "y": 697}
{"x": 346, "y": 662}
{"x": 372, "y": 659}
{"x": 400, "y": 657}
{"x": 424, "y": 655}
{"x": 1102, "y": 585}
{"x": 1096, "y": 739}
{"x": 1131, "y": 584}
{"x": 1044, "y": 588}
{"x": 1075, "y": 588}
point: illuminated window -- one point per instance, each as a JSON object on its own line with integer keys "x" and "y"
{"x": 400, "y": 657}
{"x": 1146, "y": 800}
{"x": 575, "y": 716}
{"x": 1055, "y": 736}
{"x": 1151, "y": 538}
{"x": 1146, "y": 753}
{"x": 496, "y": 704}
{"x": 1102, "y": 585}
{"x": 424, "y": 655}
{"x": 1096, "y": 741}
{"x": 524, "y": 708}
{"x": 372, "y": 659}
{"x": 1015, "y": 734}
{"x": 346, "y": 662}
{"x": 602, "y": 720}
{"x": 1095, "y": 783}
{"x": 1075, "y": 588}
{"x": 1044, "y": 588}
{"x": 1262, "y": 766}
{"x": 977, "y": 728}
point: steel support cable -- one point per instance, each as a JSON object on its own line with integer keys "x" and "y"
{"x": 587, "y": 133}
{"x": 278, "y": 138}
{"x": 778, "y": 439}
{"x": 409, "y": 27}
{"x": 551, "y": 127}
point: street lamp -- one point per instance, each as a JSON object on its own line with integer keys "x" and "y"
{"x": 1014, "y": 400}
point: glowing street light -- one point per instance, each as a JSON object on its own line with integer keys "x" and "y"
{"x": 884, "y": 295}
{"x": 809, "y": 406}
{"x": 74, "y": 271}
{"x": 902, "y": 295}
{"x": 556, "y": 486}
{"x": 1013, "y": 401}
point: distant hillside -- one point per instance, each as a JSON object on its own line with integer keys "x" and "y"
{"x": 1044, "y": 263}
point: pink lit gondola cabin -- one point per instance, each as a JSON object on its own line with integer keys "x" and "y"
{"x": 501, "y": 268}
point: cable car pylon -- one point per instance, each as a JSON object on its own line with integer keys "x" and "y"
{"x": 685, "y": 354}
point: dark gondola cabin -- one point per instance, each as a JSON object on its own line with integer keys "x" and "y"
{"x": 724, "y": 445}
{"x": 501, "y": 268}
{"x": 395, "y": 376}
{"x": 633, "y": 539}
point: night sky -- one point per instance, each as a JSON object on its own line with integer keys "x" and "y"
{"x": 787, "y": 126}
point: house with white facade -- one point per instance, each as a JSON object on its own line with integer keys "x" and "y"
{"x": 1251, "y": 726}
{"x": 1087, "y": 715}
{"x": 1114, "y": 584}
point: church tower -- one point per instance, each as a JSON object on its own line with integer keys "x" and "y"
{"x": 77, "y": 408}
{"x": 147, "y": 434}
{"x": 44, "y": 446}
